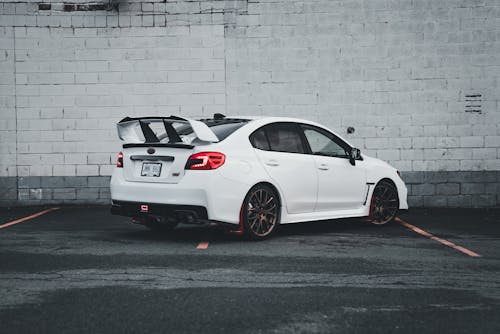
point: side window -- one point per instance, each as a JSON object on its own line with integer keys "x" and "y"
{"x": 322, "y": 144}
{"x": 284, "y": 137}
{"x": 280, "y": 137}
{"x": 259, "y": 139}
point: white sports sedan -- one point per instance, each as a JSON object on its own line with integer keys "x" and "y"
{"x": 249, "y": 173}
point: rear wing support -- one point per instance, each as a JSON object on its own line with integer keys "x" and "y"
{"x": 138, "y": 130}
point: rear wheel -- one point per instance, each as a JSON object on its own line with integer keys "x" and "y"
{"x": 260, "y": 212}
{"x": 384, "y": 204}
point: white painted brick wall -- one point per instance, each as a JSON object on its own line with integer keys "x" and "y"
{"x": 397, "y": 71}
{"x": 70, "y": 98}
{"x": 7, "y": 104}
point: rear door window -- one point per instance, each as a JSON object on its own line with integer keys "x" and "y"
{"x": 280, "y": 137}
{"x": 259, "y": 140}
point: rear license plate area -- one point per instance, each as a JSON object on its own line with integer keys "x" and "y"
{"x": 151, "y": 169}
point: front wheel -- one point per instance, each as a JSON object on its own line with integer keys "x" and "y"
{"x": 260, "y": 212}
{"x": 384, "y": 204}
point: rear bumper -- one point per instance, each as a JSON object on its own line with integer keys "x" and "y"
{"x": 177, "y": 212}
{"x": 218, "y": 197}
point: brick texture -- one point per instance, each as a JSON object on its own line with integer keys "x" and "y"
{"x": 397, "y": 71}
{"x": 418, "y": 80}
{"x": 7, "y": 104}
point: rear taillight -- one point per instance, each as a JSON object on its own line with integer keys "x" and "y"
{"x": 119, "y": 160}
{"x": 205, "y": 160}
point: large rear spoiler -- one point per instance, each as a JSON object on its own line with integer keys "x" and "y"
{"x": 138, "y": 130}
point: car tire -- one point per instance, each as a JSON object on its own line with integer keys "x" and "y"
{"x": 384, "y": 203}
{"x": 260, "y": 212}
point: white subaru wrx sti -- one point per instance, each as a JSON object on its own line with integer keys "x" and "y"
{"x": 251, "y": 173}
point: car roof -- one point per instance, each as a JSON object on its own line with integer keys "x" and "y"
{"x": 273, "y": 119}
{"x": 263, "y": 120}
{"x": 267, "y": 118}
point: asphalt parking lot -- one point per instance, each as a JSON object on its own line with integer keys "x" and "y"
{"x": 81, "y": 270}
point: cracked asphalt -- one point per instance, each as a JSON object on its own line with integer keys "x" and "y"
{"x": 82, "y": 270}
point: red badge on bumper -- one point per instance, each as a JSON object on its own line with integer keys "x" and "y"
{"x": 144, "y": 208}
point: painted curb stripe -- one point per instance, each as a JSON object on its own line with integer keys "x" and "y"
{"x": 17, "y": 221}
{"x": 433, "y": 237}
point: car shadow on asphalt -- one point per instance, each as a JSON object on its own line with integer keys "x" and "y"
{"x": 195, "y": 233}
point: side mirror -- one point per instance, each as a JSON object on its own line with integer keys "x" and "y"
{"x": 354, "y": 155}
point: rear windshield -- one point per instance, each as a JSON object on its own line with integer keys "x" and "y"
{"x": 221, "y": 128}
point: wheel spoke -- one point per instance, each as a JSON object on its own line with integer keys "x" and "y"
{"x": 256, "y": 226}
{"x": 264, "y": 198}
{"x": 269, "y": 200}
{"x": 260, "y": 226}
{"x": 265, "y": 226}
{"x": 269, "y": 210}
{"x": 259, "y": 196}
{"x": 252, "y": 223}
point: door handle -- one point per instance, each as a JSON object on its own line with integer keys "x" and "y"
{"x": 272, "y": 163}
{"x": 323, "y": 167}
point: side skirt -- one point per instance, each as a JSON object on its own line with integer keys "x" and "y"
{"x": 363, "y": 211}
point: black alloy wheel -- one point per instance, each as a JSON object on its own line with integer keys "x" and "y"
{"x": 260, "y": 212}
{"x": 384, "y": 204}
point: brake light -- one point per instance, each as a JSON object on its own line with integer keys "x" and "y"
{"x": 119, "y": 160}
{"x": 205, "y": 161}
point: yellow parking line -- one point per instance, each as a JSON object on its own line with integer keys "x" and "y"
{"x": 17, "y": 221}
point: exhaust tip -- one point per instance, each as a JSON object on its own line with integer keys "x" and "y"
{"x": 139, "y": 220}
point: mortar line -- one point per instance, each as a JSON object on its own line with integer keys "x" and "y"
{"x": 15, "y": 111}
